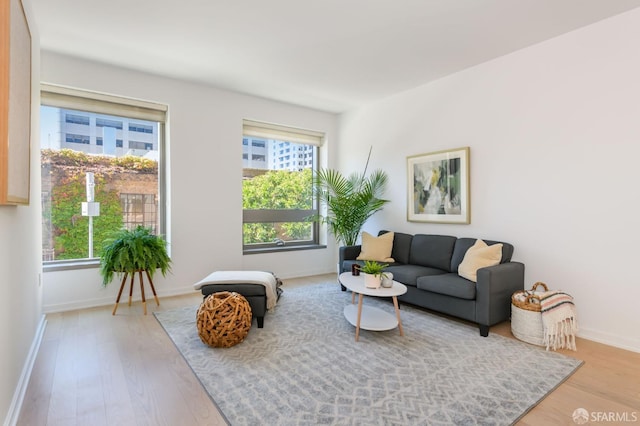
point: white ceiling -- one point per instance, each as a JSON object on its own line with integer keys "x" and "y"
{"x": 330, "y": 55}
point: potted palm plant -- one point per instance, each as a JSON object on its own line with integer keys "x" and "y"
{"x": 350, "y": 201}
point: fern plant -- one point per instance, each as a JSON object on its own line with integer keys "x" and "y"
{"x": 131, "y": 251}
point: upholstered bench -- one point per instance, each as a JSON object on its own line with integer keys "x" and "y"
{"x": 261, "y": 289}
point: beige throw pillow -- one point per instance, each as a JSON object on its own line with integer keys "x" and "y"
{"x": 377, "y": 248}
{"x": 480, "y": 255}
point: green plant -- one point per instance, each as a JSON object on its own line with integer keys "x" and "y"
{"x": 374, "y": 268}
{"x": 277, "y": 190}
{"x": 69, "y": 228}
{"x": 350, "y": 201}
{"x": 133, "y": 250}
{"x": 65, "y": 230}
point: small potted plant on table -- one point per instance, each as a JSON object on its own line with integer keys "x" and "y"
{"x": 373, "y": 273}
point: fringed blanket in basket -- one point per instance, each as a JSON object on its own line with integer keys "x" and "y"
{"x": 558, "y": 320}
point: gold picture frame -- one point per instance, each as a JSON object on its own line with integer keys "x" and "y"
{"x": 438, "y": 187}
{"x": 15, "y": 103}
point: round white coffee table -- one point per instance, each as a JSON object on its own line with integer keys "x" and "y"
{"x": 370, "y": 317}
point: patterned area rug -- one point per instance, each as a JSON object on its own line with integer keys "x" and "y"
{"x": 304, "y": 368}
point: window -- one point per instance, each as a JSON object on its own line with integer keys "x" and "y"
{"x": 142, "y": 128}
{"x": 278, "y": 198}
{"x": 73, "y": 138}
{"x": 139, "y": 210}
{"x": 104, "y": 122}
{"x": 141, "y": 145}
{"x": 76, "y": 119}
{"x": 127, "y": 175}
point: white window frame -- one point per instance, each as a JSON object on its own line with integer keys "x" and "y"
{"x": 101, "y": 103}
{"x": 280, "y": 132}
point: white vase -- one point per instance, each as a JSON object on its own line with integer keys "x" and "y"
{"x": 387, "y": 280}
{"x": 371, "y": 281}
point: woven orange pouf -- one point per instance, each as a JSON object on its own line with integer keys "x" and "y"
{"x": 223, "y": 319}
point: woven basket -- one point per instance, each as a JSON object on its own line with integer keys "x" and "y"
{"x": 223, "y": 319}
{"x": 526, "y": 319}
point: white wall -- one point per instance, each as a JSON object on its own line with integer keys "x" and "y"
{"x": 21, "y": 321}
{"x": 554, "y": 134}
{"x": 205, "y": 131}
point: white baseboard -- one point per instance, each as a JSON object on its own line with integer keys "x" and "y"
{"x": 622, "y": 342}
{"x": 21, "y": 389}
{"x": 75, "y": 305}
{"x": 306, "y": 273}
{"x": 105, "y": 301}
{"x": 173, "y": 291}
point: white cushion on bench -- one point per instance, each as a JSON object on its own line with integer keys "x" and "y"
{"x": 267, "y": 279}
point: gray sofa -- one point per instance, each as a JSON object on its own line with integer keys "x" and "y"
{"x": 428, "y": 266}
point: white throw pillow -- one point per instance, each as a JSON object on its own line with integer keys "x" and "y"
{"x": 479, "y": 255}
{"x": 377, "y": 248}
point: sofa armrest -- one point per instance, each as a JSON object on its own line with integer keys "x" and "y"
{"x": 494, "y": 288}
{"x": 347, "y": 253}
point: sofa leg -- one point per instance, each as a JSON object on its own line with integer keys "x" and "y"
{"x": 484, "y": 330}
{"x": 260, "y": 321}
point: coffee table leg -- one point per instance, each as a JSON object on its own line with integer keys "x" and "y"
{"x": 360, "y": 297}
{"x": 395, "y": 304}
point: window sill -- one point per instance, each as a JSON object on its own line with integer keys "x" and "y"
{"x": 67, "y": 265}
{"x": 283, "y": 248}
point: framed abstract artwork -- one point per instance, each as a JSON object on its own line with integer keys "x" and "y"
{"x": 15, "y": 103}
{"x": 438, "y": 187}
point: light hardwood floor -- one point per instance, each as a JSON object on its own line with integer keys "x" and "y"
{"x": 97, "y": 369}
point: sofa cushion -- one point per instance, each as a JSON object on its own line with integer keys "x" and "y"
{"x": 408, "y": 274}
{"x": 377, "y": 248}
{"x": 450, "y": 284}
{"x": 463, "y": 244}
{"x": 432, "y": 250}
{"x": 401, "y": 246}
{"x": 480, "y": 255}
